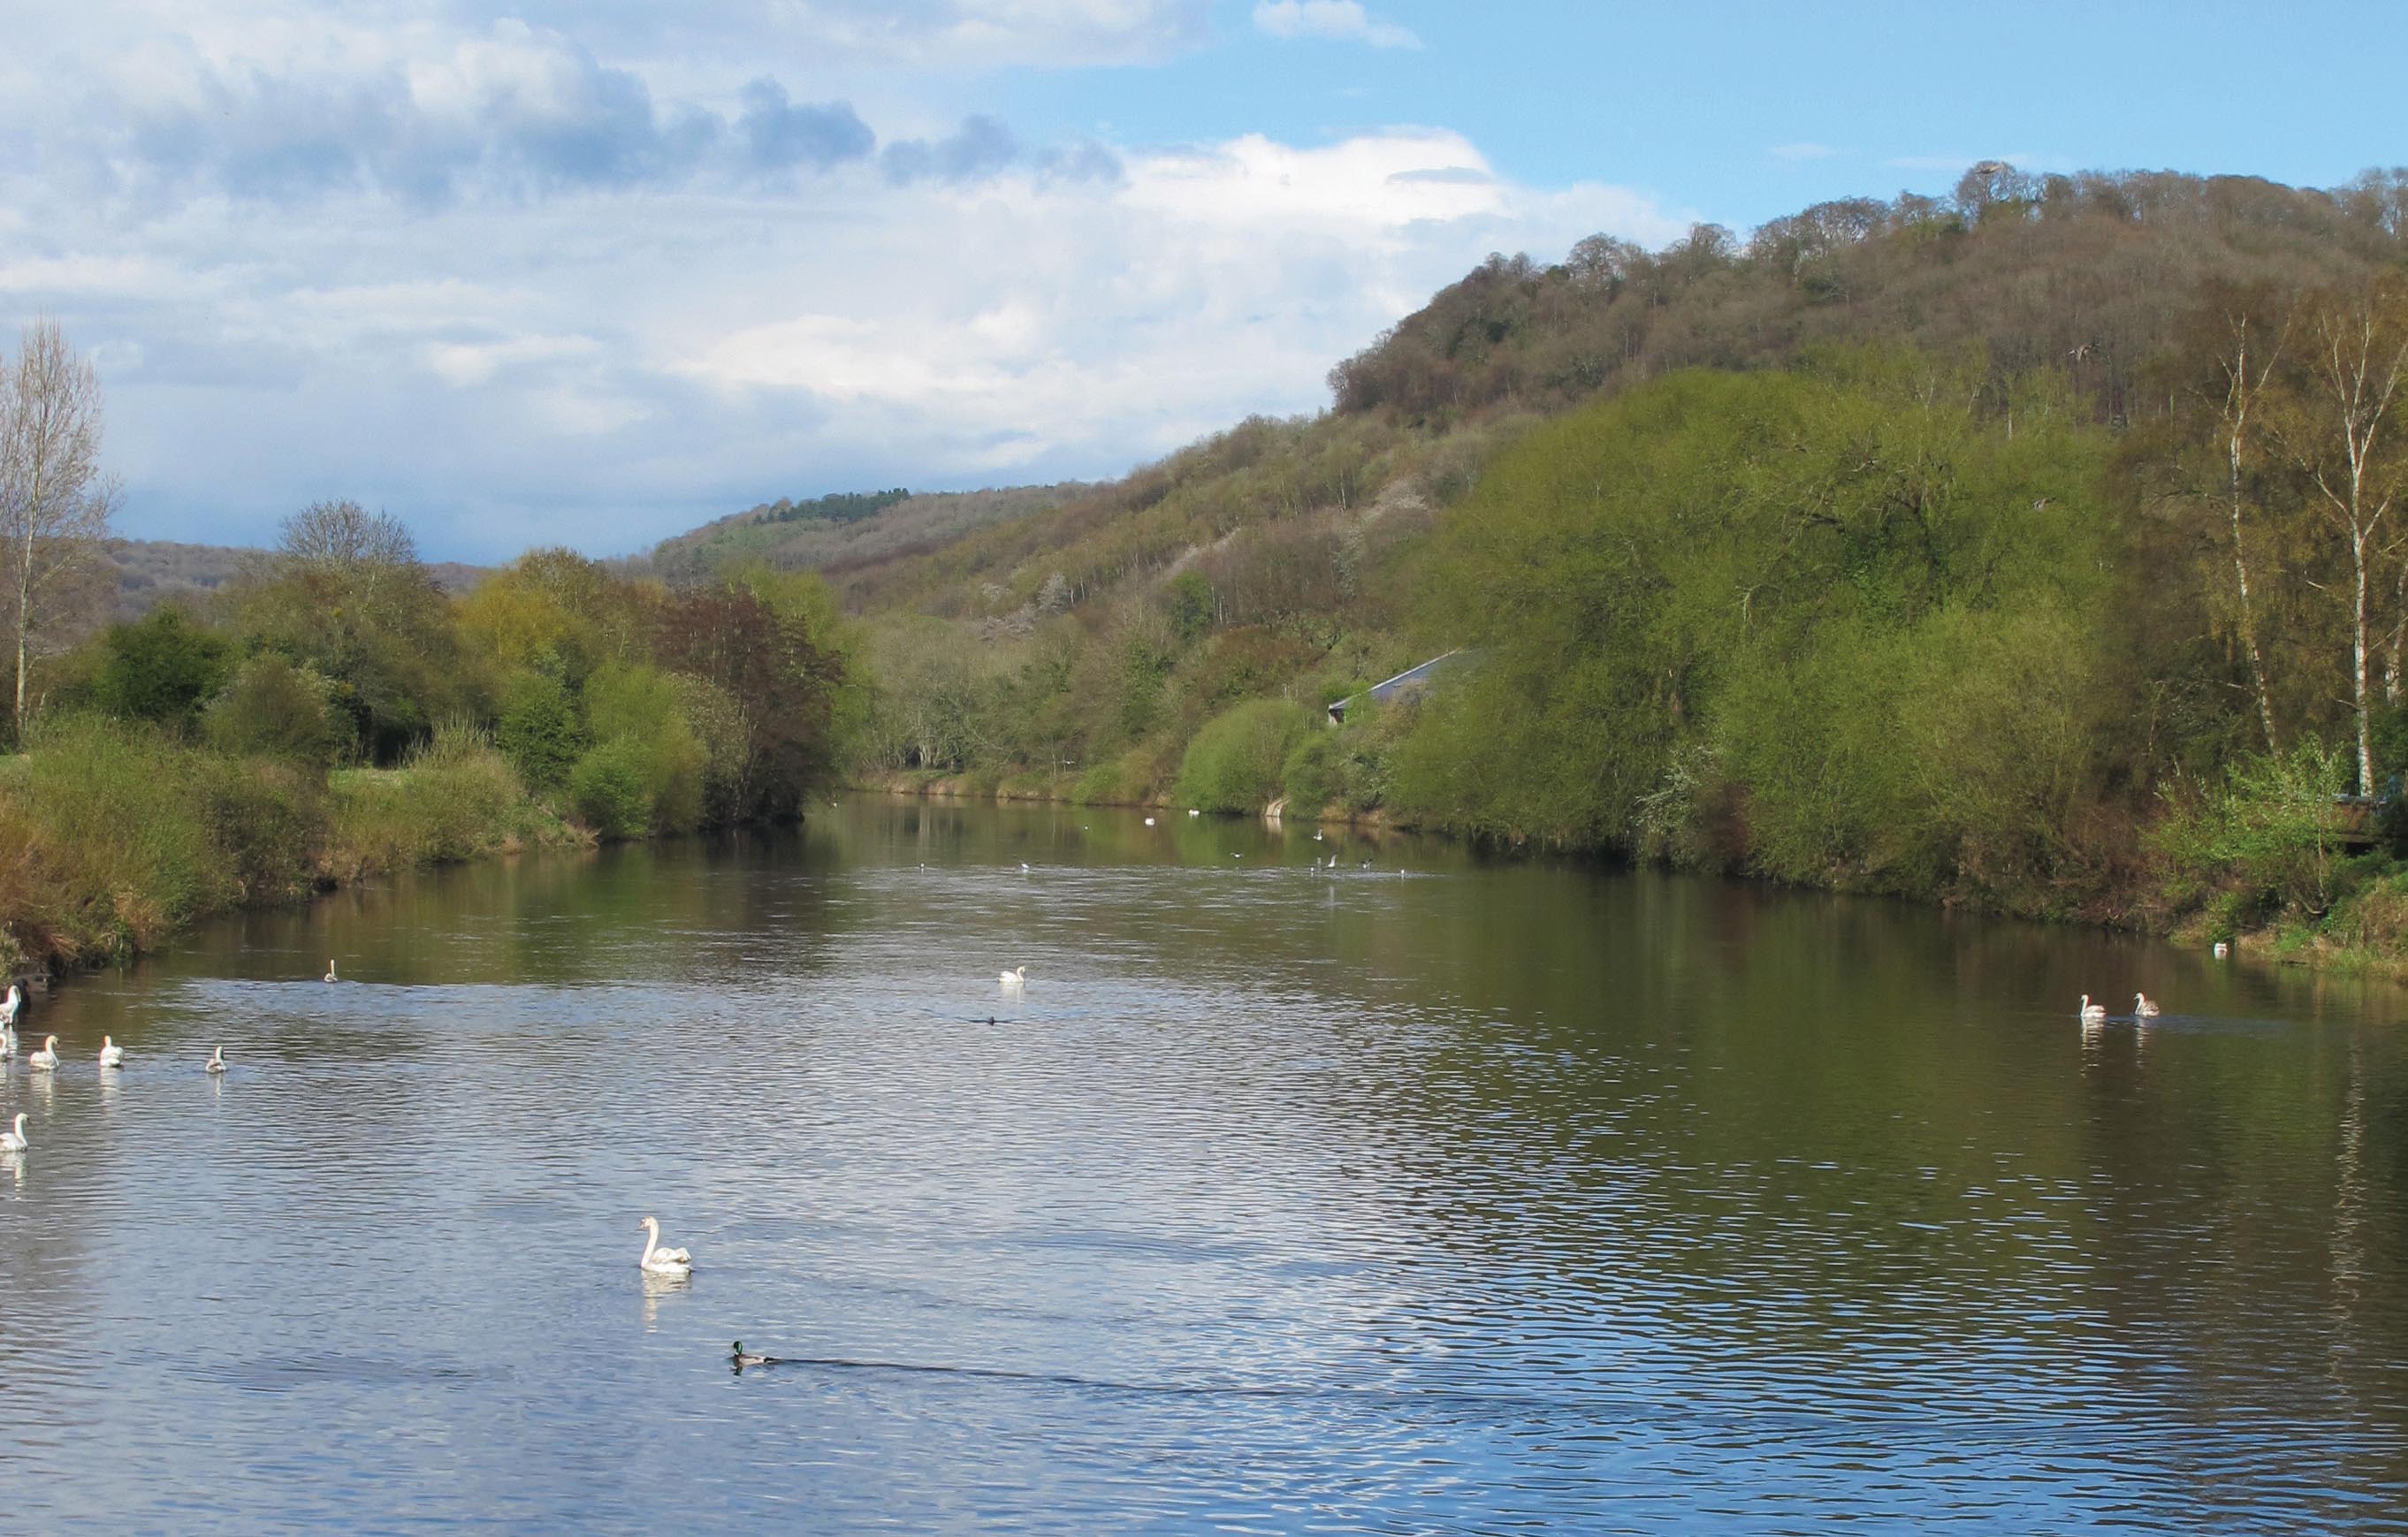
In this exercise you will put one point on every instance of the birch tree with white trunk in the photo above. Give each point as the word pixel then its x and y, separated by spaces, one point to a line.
pixel 2339 423
pixel 54 501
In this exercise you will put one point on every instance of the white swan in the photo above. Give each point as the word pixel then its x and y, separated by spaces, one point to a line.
pixel 2092 1013
pixel 46 1059
pixel 658 1260
pixel 1016 978
pixel 14 1141
pixel 111 1053
pixel 1193 812
pixel 2143 1008
pixel 330 975
pixel 216 1062
pixel 1317 835
pixel 10 1005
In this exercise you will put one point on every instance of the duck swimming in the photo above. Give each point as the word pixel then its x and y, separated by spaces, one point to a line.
pixel 743 1358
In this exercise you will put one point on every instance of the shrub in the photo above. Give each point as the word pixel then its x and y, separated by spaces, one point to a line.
pixel 610 791
pixel 456 798
pixel 158 669
pixel 539 729
pixel 1126 779
pixel 273 708
pixel 1234 763
pixel 1311 777
pixel 2264 839
pixel 639 711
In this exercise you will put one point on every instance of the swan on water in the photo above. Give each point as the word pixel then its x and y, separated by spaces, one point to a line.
pixel 216 1062
pixel 330 975
pixel 10 1005
pixel 2143 1008
pixel 1317 835
pixel 2092 1013
pixel 47 1058
pixel 111 1053
pixel 658 1260
pixel 1193 812
pixel 14 1141
pixel 1149 821
pixel 1017 977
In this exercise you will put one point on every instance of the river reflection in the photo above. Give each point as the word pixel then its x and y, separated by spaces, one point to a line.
pixel 1426 1195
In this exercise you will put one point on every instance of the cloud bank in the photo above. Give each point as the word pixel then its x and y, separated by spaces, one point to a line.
pixel 519 284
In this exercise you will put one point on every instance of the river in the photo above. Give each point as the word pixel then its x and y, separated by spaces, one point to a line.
pixel 1433 1195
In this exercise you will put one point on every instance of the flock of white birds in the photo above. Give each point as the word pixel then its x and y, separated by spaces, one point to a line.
pixel 655 1260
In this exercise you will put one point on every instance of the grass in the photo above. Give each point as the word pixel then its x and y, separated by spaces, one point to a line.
pixel 113 836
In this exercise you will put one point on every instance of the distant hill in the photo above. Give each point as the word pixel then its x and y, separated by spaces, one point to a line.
pixel 843 530
pixel 151 571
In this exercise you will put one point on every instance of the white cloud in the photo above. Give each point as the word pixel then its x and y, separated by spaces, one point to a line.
pixel 1343 20
pixel 496 279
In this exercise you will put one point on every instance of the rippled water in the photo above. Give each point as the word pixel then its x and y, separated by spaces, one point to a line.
pixel 1434 1196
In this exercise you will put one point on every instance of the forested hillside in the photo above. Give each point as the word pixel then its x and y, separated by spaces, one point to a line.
pixel 846 528
pixel 2027 547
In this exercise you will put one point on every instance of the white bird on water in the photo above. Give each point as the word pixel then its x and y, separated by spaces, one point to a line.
pixel 330 975
pixel 46 1059
pixel 14 1141
pixel 10 1005
pixel 2143 1008
pixel 2092 1013
pixel 658 1260
pixel 1149 821
pixel 1016 978
pixel 111 1053
pixel 216 1062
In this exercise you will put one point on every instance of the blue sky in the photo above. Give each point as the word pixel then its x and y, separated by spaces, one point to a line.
pixel 589 271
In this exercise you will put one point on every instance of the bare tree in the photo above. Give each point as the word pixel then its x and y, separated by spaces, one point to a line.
pixel 346 539
pixel 2338 425
pixel 2245 363
pixel 54 502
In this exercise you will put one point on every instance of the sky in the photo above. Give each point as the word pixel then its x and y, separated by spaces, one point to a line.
pixel 590 272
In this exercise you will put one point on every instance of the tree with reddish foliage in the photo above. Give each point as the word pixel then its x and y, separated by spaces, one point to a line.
pixel 782 678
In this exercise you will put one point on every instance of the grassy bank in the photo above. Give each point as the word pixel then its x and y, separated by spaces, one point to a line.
pixel 117 835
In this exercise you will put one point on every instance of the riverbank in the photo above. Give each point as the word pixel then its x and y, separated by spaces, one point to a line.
pixel 2363 934
pixel 118 837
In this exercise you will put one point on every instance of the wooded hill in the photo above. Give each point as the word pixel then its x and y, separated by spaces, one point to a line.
pixel 1996 456
pixel 839 529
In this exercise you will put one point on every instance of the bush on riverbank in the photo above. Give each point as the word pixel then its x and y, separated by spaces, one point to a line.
pixel 117 833
pixel 1235 762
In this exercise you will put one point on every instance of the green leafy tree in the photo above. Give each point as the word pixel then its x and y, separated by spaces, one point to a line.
pixel 160 668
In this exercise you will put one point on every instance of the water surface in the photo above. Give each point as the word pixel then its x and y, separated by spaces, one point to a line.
pixel 1429 1196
